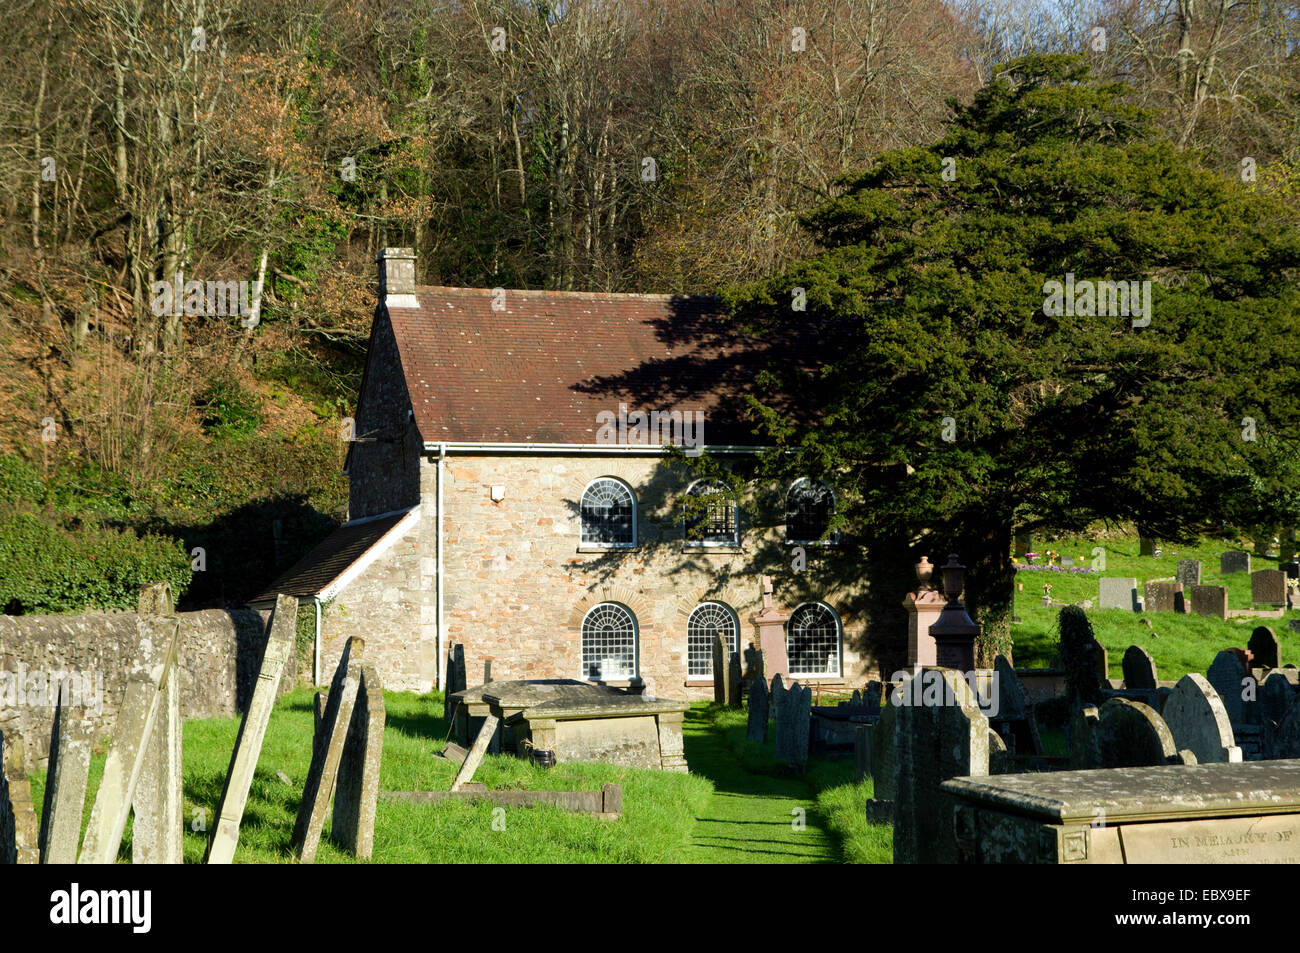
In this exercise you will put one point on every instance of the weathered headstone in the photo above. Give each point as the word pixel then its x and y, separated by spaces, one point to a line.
pixel 357 793
pixel 779 697
pixel 1268 587
pixel 934 742
pixel 1234 561
pixel 157 831
pixel 477 751
pixel 1286 737
pixel 252 730
pixel 1078 654
pixel 1102 658
pixel 1210 601
pixel 733 679
pixel 65 787
pixel 861 753
pixel 1117 593
pixel 1292 569
pixel 1276 696
pixel 1014 715
pixel 801 726
pixel 1226 674
pixel 1264 648
pixel 1198 721
pixel 455 678
pixel 1162 596
pixel 1131 735
pixel 1085 725
pixel 1189 573
pixel 135 722
pixel 756 728
pixel 1139 669
pixel 721 652
pixel 754 665
pixel 19 832
pixel 1001 761
pixel 880 806
pixel 323 773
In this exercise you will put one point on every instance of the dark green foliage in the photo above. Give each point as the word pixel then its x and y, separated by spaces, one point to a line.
pixel 228 410
pixel 929 300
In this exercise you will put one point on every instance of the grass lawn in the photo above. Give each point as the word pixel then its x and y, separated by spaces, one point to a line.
pixel 1178 643
pixel 659 807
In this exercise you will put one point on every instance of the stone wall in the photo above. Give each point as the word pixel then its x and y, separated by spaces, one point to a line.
pixel 220 652
pixel 518 584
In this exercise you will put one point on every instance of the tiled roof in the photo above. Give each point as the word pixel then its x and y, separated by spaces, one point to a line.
pixel 314 573
pixel 543 368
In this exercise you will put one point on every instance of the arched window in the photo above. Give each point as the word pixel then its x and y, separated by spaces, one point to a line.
pixel 707 620
pixel 812 640
pixel 711 516
pixel 609 514
pixel 809 506
pixel 609 643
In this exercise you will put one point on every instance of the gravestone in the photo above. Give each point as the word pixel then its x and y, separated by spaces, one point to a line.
pixel 1067 561
pixel 756 729
pixel 1264 648
pixel 861 753
pixel 880 806
pixel 1084 728
pixel 1292 569
pixel 323 773
pixel 1131 735
pixel 1210 601
pixel 357 794
pixel 1268 587
pixel 252 730
pixel 1147 546
pixel 801 725
pixel 1199 722
pixel 1162 596
pixel 720 680
pixel 19 833
pixel 1234 561
pixel 780 703
pixel 1139 669
pixel 157 831
pixel 1286 737
pixel 754 665
pixel 1118 592
pixel 477 752
pixel 934 743
pixel 1001 761
pixel 1275 699
pixel 455 678
pixel 1102 658
pixel 733 680
pixel 1078 654
pixel 1014 715
pixel 65 787
pixel 1189 573
pixel 1226 674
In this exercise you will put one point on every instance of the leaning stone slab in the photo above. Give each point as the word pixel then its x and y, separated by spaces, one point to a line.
pixel 476 754
pixel 1118 593
pixel 135 723
pixel 65 787
pixel 19 833
pixel 1182 814
pixel 1199 722
pixel 252 731
pixel 322 774
pixel 157 834
pixel 357 794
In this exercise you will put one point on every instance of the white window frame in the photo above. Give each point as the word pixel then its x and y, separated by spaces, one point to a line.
pixel 839 642
pixel 585 544
pixel 735 642
pixel 636 646
pixel 734 542
pixel 835 534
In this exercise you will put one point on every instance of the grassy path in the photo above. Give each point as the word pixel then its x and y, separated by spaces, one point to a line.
pixel 749 819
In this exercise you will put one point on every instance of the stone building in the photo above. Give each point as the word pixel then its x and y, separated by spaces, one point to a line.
pixel 506 494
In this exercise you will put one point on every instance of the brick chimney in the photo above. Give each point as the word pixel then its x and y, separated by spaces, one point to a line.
pixel 397 278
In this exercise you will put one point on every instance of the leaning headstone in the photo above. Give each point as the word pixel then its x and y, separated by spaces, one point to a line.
pixel 801 727
pixel 323 773
pixel 935 742
pixel 1268 587
pixel 65 786
pixel 720 679
pixel 157 831
pixel 1234 561
pixel 880 806
pixel 1189 573
pixel 1133 735
pixel 1139 669
pixel 135 721
pixel 1162 596
pixel 1226 674
pixel 477 751
pixel 252 730
pixel 357 794
pixel 1117 593
pixel 756 728
pixel 1210 601
pixel 1199 722
pixel 19 831
pixel 1264 649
